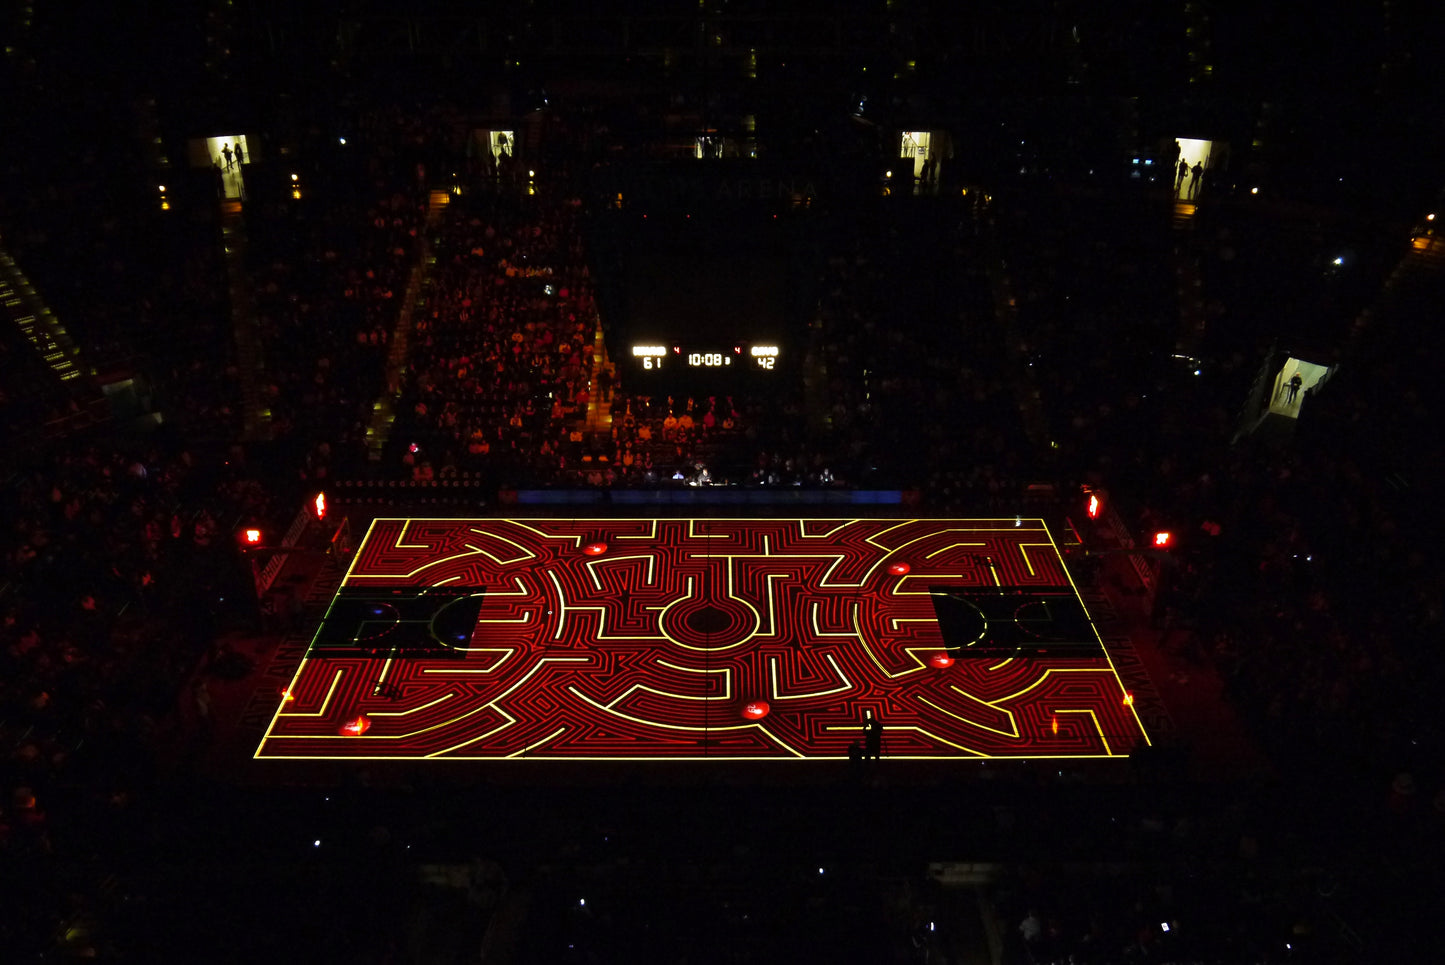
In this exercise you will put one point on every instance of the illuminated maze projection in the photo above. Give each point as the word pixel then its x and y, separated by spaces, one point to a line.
pixel 717 638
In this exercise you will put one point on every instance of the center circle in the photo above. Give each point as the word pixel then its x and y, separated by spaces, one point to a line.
pixel 709 620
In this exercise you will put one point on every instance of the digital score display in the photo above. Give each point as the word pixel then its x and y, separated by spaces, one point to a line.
pixel 653 358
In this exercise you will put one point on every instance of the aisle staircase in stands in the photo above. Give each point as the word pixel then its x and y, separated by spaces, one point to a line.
pixel 1427 251
pixel 1005 304
pixel 250 358
pixel 66 386
pixel 598 417
pixel 383 411
pixel 1190 281
pixel 1421 264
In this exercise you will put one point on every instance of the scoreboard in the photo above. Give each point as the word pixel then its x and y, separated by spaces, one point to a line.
pixel 705 356
pixel 707 274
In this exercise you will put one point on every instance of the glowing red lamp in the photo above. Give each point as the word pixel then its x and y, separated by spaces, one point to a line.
pixel 899 569
pixel 357 726
pixel 1128 699
pixel 318 505
pixel 940 660
pixel 1054 724
pixel 1096 505
pixel 595 549
pixel 251 537
pixel 756 710
pixel 1162 539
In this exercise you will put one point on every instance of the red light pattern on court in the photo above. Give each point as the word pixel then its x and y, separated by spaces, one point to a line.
pixel 666 646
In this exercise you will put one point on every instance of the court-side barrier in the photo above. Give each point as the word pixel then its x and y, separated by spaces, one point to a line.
pixel 474 493
pixel 470 492
pixel 708 496
pixel 1143 569
pixel 267 574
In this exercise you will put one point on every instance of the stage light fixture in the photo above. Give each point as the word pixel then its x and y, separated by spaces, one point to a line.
pixel 1162 539
pixel 252 537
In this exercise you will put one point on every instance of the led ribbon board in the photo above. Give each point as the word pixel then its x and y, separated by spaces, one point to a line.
pixel 686 639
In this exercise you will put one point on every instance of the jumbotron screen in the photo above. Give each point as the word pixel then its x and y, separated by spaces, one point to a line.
pixel 701 305
pixel 706 279
pixel 704 639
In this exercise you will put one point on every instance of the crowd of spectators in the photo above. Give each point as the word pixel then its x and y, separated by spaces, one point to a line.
pixel 1293 579
pixel 919 387
pixel 331 258
pixel 1322 646
pixel 502 344
pixel 119 573
pixel 504 373
pixel 120 567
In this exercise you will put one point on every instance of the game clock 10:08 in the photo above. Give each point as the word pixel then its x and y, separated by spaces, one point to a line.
pixel 658 358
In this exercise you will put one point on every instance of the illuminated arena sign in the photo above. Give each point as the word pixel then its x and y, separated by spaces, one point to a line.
pixel 690 639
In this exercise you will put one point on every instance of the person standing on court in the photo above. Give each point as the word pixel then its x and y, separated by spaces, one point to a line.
pixel 872 738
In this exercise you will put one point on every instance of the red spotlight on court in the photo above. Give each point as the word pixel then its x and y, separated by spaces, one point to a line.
pixel 940 660
pixel 318 505
pixel 595 549
pixel 1128 699
pixel 899 569
pixel 1163 539
pixel 356 726
pixel 1054 724
pixel 756 709
pixel 251 537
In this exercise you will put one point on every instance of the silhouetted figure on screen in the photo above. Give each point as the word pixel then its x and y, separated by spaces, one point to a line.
pixel 1196 179
pixel 226 153
pixel 873 738
pixel 1292 388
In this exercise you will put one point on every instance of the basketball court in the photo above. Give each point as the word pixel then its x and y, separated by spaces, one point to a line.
pixel 704 639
